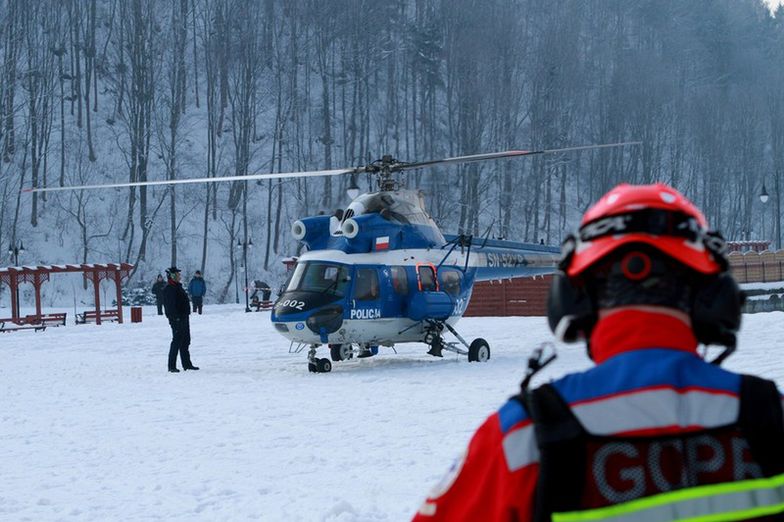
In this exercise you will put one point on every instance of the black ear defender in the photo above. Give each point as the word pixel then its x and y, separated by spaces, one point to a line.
pixel 716 310
pixel 717 305
pixel 570 310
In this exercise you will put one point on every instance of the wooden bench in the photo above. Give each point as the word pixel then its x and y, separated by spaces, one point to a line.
pixel 54 319
pixel 46 319
pixel 15 327
pixel 261 305
pixel 89 316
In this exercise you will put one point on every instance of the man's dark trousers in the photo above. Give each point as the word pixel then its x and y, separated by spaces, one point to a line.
pixel 181 340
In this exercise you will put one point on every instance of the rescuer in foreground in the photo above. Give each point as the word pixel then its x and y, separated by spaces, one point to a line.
pixel 652 432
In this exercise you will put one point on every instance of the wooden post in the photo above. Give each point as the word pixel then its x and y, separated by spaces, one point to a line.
pixel 37 281
pixel 96 286
pixel 117 279
pixel 14 284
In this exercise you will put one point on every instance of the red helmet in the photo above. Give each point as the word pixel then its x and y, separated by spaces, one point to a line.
pixel 656 215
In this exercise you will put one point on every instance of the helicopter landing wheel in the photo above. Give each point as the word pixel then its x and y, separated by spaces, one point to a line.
pixel 323 366
pixel 340 352
pixel 479 351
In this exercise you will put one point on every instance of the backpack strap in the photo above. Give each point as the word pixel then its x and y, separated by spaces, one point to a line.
pixel 762 422
pixel 561 441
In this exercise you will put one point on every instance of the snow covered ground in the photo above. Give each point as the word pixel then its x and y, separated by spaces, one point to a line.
pixel 92 427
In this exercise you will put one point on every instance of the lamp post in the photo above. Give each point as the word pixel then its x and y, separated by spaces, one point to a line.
pixel 245 246
pixel 14 251
pixel 236 282
pixel 764 199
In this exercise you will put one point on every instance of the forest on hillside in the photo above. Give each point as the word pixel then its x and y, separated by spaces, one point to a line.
pixel 132 90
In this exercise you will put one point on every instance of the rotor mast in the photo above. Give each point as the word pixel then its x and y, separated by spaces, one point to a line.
pixel 384 169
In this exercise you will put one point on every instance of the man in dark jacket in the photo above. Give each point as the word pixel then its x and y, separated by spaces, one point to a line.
pixel 197 288
pixel 177 306
pixel 157 290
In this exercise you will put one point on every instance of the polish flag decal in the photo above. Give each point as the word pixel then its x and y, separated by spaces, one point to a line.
pixel 382 243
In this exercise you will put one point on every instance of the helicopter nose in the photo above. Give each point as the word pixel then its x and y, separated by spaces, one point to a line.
pixel 326 320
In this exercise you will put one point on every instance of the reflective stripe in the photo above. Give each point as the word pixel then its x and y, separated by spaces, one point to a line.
pixel 657 409
pixel 520 448
pixel 711 503
pixel 649 409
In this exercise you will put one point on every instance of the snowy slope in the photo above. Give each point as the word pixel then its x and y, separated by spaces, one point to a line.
pixel 92 427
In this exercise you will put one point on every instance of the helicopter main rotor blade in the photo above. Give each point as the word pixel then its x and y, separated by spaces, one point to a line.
pixel 506 154
pixel 335 172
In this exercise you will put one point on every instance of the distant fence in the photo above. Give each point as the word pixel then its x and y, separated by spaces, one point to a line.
pixel 757 267
pixel 760 267
pixel 528 296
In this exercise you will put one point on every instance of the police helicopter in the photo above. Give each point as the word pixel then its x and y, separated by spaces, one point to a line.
pixel 381 272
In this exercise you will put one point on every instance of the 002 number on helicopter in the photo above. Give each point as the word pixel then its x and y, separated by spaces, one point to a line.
pixel 293 303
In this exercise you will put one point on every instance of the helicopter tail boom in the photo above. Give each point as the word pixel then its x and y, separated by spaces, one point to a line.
pixel 495 259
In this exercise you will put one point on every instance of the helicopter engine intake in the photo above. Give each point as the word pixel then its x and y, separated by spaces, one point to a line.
pixel 350 228
pixel 313 231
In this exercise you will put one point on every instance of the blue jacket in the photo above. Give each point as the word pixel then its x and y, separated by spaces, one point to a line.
pixel 197 287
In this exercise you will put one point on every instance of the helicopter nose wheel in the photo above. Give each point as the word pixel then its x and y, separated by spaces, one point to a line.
pixel 479 351
pixel 320 366
pixel 316 365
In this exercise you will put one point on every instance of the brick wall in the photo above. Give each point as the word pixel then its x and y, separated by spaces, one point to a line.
pixel 757 267
pixel 528 296
pixel 519 296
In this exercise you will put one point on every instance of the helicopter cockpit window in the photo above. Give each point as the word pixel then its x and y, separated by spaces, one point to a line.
pixel 296 277
pixel 319 277
pixel 366 285
pixel 450 281
pixel 399 280
pixel 427 279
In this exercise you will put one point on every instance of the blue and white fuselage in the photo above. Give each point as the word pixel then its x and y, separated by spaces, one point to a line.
pixel 384 272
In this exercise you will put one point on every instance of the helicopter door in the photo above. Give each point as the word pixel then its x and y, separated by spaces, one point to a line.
pixel 366 297
pixel 426 277
pixel 429 302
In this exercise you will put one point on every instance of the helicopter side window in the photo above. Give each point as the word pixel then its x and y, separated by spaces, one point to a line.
pixel 399 280
pixel 366 285
pixel 450 281
pixel 427 278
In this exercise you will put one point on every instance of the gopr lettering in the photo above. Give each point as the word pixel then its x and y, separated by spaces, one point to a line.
pixel 621 471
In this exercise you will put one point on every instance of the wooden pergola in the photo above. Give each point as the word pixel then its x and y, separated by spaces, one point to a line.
pixel 14 276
